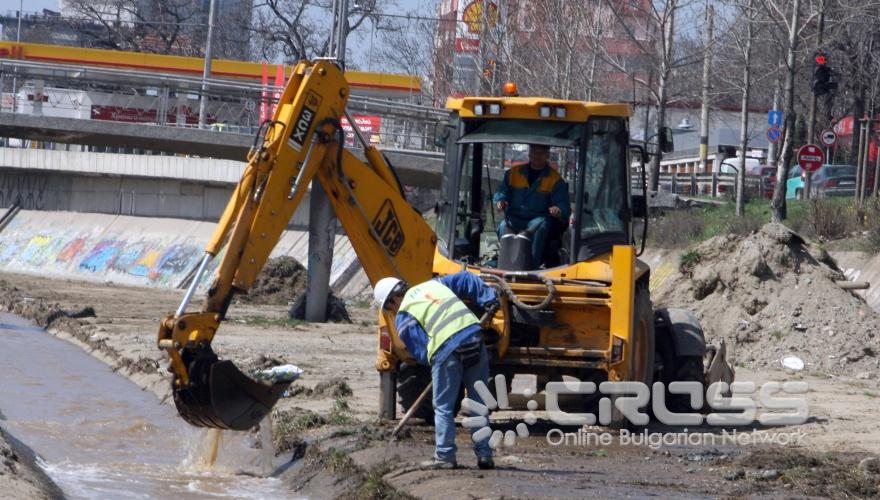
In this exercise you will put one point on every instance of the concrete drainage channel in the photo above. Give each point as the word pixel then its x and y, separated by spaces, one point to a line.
pixel 97 435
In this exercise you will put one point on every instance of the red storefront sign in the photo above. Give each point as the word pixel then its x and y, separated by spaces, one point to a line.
pixel 370 127
pixel 140 115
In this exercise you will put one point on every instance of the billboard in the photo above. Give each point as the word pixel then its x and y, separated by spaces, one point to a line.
pixel 469 16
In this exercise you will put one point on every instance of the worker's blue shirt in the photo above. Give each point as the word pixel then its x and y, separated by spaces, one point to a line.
pixel 528 200
pixel 465 286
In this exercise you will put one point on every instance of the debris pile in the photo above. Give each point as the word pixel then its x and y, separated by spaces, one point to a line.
pixel 283 282
pixel 772 295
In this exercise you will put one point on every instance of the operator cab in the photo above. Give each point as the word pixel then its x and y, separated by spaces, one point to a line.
pixel 485 137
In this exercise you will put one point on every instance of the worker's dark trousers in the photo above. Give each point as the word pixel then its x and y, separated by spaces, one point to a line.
pixel 448 377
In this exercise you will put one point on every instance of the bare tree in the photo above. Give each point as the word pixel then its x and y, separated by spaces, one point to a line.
pixel 161 26
pixel 663 55
pixel 300 29
pixel 746 51
pixel 788 21
pixel 408 46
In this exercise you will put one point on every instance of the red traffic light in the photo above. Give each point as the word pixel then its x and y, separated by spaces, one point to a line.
pixel 821 59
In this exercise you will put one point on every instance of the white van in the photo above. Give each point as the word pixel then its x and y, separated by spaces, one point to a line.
pixel 731 165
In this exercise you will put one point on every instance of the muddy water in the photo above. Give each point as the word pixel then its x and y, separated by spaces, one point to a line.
pixel 100 436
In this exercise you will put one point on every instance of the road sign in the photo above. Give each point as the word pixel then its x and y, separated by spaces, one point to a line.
pixel 774 118
pixel 774 134
pixel 828 138
pixel 810 157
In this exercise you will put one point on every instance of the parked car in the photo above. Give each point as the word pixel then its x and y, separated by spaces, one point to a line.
pixel 794 185
pixel 834 180
pixel 828 180
pixel 767 173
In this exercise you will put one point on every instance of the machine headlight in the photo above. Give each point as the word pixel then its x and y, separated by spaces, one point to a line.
pixel 616 350
pixel 544 112
pixel 494 108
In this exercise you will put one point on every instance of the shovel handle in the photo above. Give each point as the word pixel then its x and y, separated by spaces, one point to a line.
pixel 412 409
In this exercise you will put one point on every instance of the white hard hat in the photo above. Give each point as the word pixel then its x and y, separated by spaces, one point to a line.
pixel 383 289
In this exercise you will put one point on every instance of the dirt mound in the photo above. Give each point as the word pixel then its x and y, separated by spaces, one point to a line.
pixel 771 294
pixel 282 280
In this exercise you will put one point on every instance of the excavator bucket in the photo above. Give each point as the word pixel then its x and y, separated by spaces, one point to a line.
pixel 717 368
pixel 220 396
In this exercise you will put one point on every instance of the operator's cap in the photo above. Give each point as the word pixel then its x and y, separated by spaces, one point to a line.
pixel 387 287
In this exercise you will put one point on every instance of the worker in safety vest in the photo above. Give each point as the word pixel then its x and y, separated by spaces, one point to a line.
pixel 439 330
pixel 532 196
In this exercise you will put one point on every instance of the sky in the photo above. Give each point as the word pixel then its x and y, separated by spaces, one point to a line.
pixel 358 43
pixel 29 5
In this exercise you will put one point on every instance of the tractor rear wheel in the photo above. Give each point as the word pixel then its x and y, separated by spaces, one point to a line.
pixel 411 381
pixel 675 368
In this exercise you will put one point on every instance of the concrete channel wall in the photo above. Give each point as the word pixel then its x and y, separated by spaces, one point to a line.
pixel 139 251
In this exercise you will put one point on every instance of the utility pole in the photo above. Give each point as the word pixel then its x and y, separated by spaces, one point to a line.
pixel 15 75
pixel 811 117
pixel 771 149
pixel 322 220
pixel 203 102
pixel 707 67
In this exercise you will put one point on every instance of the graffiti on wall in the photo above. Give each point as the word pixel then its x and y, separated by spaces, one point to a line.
pixel 154 261
pixel 30 191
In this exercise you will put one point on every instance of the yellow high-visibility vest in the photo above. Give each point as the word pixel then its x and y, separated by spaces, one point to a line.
pixel 438 311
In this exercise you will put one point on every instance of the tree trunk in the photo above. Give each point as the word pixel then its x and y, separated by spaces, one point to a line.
pixel 663 88
pixel 778 206
pixel 858 110
pixel 744 116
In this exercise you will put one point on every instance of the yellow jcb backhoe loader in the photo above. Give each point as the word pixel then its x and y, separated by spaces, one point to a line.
pixel 583 311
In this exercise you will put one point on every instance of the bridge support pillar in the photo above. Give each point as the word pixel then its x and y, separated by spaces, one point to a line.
pixel 322 233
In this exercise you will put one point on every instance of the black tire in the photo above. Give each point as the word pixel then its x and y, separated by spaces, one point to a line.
pixel 643 321
pixel 411 381
pixel 676 368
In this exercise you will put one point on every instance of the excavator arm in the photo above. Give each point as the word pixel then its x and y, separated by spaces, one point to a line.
pixel 304 141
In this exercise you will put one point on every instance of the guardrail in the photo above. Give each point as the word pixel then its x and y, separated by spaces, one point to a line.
pixel 715 184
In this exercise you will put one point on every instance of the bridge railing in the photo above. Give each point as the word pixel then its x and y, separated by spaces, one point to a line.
pixel 173 101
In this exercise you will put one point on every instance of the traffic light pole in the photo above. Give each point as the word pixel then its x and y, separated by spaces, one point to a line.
pixel 811 117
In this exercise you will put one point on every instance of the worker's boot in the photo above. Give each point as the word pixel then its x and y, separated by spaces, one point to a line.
pixel 485 463
pixel 436 463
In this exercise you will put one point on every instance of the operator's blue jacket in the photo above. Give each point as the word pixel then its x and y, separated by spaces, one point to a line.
pixel 465 286
pixel 525 202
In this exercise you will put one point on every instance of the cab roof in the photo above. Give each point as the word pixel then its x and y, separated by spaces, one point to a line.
pixel 529 108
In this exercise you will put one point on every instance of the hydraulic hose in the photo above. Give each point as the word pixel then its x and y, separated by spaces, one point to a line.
pixel 505 287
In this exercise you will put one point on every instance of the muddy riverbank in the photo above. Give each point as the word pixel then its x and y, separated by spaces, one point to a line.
pixel 20 476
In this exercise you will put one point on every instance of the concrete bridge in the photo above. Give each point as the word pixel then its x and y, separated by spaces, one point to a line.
pixel 415 168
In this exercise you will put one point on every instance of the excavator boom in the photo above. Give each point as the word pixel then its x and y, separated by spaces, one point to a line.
pixel 303 142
